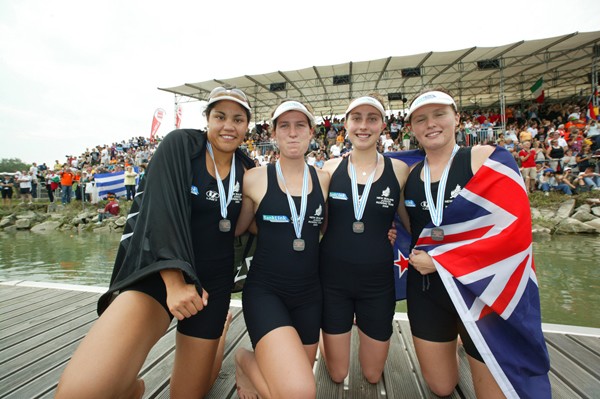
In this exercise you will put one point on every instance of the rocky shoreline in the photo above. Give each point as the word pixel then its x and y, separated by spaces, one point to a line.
pixel 48 218
pixel 45 218
pixel 567 219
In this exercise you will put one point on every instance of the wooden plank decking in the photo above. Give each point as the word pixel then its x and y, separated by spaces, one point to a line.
pixel 41 327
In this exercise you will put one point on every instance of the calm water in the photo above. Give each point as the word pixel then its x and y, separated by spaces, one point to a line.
pixel 567 267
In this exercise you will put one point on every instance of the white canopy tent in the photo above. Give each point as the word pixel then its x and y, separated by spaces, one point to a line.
pixel 488 77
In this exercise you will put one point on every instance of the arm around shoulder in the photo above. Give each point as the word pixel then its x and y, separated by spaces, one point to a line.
pixel 401 170
pixel 324 179
pixel 479 154
pixel 331 165
pixel 254 188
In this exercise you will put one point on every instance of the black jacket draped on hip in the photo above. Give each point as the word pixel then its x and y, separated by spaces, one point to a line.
pixel 157 234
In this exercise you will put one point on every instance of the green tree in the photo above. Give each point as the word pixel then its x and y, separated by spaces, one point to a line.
pixel 11 165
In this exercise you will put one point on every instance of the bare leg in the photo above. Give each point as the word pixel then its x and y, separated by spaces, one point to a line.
pixel 193 366
pixel 335 349
pixel 281 365
pixel 246 389
pixel 372 355
pixel 220 349
pixel 483 381
pixel 107 361
pixel 439 364
pixel 246 361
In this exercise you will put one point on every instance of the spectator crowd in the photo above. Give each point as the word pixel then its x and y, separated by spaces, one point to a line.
pixel 556 145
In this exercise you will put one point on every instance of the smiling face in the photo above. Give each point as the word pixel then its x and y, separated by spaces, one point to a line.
pixel 364 125
pixel 293 133
pixel 227 126
pixel 434 125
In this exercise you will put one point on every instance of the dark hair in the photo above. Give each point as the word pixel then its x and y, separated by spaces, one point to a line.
pixel 210 107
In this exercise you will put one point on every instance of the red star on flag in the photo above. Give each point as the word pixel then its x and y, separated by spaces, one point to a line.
pixel 401 262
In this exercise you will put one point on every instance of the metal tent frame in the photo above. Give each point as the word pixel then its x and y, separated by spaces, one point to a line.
pixel 484 77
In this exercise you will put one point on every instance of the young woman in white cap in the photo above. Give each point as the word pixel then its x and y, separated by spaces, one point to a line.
pixel 434 118
pixel 176 251
pixel 356 256
pixel 282 298
pixel 446 238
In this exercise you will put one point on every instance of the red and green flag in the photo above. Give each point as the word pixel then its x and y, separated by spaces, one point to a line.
pixel 537 90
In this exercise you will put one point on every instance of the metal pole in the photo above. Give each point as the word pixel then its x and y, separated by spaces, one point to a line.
pixel 502 97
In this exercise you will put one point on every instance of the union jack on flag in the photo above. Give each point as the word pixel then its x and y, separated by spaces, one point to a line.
pixel 486 263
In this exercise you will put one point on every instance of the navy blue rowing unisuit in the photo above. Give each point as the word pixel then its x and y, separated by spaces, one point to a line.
pixel 282 287
pixel 431 313
pixel 357 270
pixel 213 251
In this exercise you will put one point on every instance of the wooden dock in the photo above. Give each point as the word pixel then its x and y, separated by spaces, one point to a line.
pixel 40 327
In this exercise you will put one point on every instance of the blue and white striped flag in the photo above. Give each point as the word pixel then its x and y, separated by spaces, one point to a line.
pixel 110 183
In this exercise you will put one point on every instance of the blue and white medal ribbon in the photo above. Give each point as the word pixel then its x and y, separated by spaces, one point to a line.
pixel 436 210
pixel 360 203
pixel 224 224
pixel 297 219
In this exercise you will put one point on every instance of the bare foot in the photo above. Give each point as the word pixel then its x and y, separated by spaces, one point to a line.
pixel 245 389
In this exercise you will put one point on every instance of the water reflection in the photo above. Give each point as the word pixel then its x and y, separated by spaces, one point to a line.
pixel 567 268
pixel 569 279
pixel 60 257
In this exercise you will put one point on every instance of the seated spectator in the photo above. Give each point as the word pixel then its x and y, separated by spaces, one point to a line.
pixel 561 183
pixel 584 158
pixel 545 180
pixel 576 183
pixel 110 210
pixel 590 178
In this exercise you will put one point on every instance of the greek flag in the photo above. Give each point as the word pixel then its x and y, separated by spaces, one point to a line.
pixel 110 183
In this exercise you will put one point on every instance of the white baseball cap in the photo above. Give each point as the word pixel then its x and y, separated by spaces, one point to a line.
pixel 430 97
pixel 366 100
pixel 293 106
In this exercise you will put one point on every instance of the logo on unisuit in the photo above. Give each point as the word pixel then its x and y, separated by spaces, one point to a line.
pixel 212 195
pixel 317 218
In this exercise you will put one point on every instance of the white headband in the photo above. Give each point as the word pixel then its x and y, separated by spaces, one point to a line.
pixel 293 106
pixel 366 100
pixel 431 97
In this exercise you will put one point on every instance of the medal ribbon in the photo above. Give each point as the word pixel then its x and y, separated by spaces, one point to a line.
pixel 297 219
pixel 360 204
pixel 437 210
pixel 224 203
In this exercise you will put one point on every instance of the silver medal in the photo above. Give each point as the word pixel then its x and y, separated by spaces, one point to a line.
pixel 224 225
pixel 298 244
pixel 437 234
pixel 358 227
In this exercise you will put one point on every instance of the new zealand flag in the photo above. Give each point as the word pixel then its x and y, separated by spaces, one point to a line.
pixel 402 244
pixel 486 263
